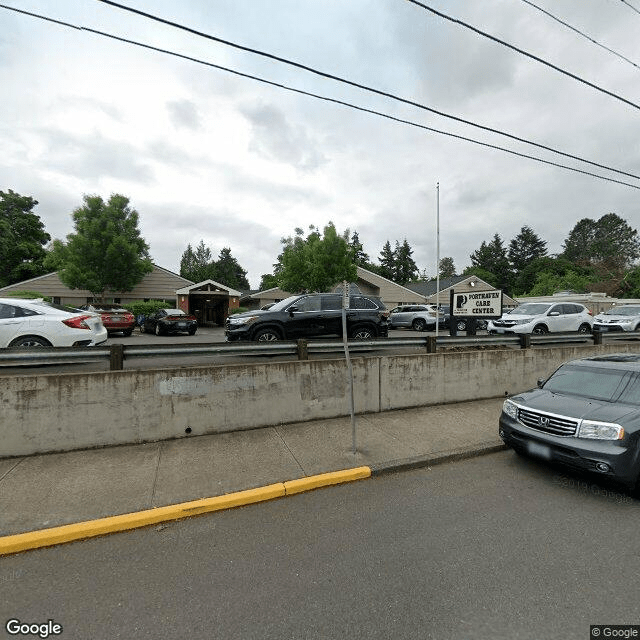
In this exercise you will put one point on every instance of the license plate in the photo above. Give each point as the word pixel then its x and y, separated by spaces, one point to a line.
pixel 182 324
pixel 539 450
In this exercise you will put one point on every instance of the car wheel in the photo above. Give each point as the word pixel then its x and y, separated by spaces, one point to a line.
pixel 584 328
pixel 158 331
pixel 266 335
pixel 540 330
pixel 418 324
pixel 29 341
pixel 192 332
pixel 461 325
pixel 127 333
pixel 362 333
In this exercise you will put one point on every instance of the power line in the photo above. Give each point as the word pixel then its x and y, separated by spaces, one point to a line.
pixel 351 83
pixel 521 51
pixel 584 35
pixel 332 100
pixel 630 6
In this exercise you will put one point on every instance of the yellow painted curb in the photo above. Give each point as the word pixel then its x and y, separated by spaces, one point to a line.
pixel 113 524
pixel 326 479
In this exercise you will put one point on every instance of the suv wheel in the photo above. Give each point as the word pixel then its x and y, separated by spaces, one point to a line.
pixel 158 331
pixel 540 330
pixel 461 325
pixel 584 328
pixel 419 324
pixel 266 335
pixel 362 333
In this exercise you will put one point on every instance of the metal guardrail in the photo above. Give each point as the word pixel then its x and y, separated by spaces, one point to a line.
pixel 117 353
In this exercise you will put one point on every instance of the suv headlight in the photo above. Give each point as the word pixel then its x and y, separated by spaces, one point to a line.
pixel 595 430
pixel 522 321
pixel 243 320
pixel 511 409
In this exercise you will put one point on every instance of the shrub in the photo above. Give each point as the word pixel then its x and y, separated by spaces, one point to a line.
pixel 140 307
pixel 237 310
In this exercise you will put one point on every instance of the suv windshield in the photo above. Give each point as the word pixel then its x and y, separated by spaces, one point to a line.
pixel 595 382
pixel 530 309
pixel 623 311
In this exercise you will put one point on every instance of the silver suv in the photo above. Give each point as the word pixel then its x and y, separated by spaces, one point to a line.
pixel 417 316
pixel 544 317
pixel 624 318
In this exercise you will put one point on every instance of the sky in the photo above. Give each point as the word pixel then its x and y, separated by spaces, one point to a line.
pixel 204 154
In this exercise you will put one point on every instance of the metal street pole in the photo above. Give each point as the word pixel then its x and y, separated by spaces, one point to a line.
pixel 437 257
pixel 345 305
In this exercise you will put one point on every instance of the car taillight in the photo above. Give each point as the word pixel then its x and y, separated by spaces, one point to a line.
pixel 384 314
pixel 106 318
pixel 77 322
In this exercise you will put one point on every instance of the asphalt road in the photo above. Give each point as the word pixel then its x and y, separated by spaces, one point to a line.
pixel 492 548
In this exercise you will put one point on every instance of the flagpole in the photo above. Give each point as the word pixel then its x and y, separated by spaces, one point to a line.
pixel 437 256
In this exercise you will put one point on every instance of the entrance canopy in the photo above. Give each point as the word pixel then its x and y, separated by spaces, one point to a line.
pixel 208 300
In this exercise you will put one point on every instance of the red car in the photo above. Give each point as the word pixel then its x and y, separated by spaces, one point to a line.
pixel 114 317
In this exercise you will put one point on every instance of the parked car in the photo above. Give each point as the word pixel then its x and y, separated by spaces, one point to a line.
pixel 586 415
pixel 623 318
pixel 167 321
pixel 539 318
pixel 36 323
pixel 461 323
pixel 310 315
pixel 418 317
pixel 114 317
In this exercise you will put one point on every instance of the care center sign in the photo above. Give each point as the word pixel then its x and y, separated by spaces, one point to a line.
pixel 477 304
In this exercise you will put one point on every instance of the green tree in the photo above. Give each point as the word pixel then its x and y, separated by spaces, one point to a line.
pixel 558 267
pixel 492 257
pixel 387 260
pixel 405 267
pixel 229 272
pixel 360 258
pixel 315 263
pixel 483 274
pixel 548 283
pixel 524 248
pixel 106 252
pixel 22 239
pixel 630 284
pixel 268 281
pixel 609 241
pixel 447 268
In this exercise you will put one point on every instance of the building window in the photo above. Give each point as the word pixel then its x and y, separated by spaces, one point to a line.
pixel 56 300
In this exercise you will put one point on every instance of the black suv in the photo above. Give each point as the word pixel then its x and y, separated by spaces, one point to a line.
pixel 310 315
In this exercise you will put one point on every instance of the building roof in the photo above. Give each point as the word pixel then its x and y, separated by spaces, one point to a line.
pixel 208 286
pixel 429 288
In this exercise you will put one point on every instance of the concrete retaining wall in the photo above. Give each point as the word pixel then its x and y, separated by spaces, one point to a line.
pixel 75 411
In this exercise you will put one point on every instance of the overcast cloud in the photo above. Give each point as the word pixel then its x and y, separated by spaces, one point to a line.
pixel 206 155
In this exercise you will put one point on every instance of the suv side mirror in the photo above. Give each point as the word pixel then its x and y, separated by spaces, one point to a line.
pixel 541 382
pixel 554 313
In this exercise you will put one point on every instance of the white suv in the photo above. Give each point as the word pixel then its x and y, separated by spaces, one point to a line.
pixel 544 317
pixel 35 323
pixel 417 316
pixel 623 318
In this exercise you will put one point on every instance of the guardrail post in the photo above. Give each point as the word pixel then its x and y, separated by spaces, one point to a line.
pixel 597 337
pixel 302 349
pixel 431 344
pixel 525 341
pixel 116 357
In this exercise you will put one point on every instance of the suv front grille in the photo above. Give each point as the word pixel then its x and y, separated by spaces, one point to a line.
pixel 556 425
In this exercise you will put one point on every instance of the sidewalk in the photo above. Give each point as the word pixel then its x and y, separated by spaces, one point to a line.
pixel 43 491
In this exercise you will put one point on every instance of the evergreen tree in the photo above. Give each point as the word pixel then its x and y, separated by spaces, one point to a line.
pixel 447 268
pixel 492 258
pixel 405 267
pixel 524 248
pixel 360 258
pixel 229 272
pixel 387 261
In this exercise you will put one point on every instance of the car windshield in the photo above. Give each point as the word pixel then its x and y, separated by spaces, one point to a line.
pixel 174 312
pixel 59 307
pixel 596 383
pixel 530 309
pixel 623 311
pixel 283 304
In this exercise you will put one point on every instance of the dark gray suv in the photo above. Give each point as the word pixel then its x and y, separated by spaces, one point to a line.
pixel 310 315
pixel 586 415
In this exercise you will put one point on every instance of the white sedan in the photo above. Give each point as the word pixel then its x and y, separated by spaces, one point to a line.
pixel 36 323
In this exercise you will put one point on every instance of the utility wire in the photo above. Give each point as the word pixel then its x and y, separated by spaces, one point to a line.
pixel 332 100
pixel 584 35
pixel 351 83
pixel 630 6
pixel 521 51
